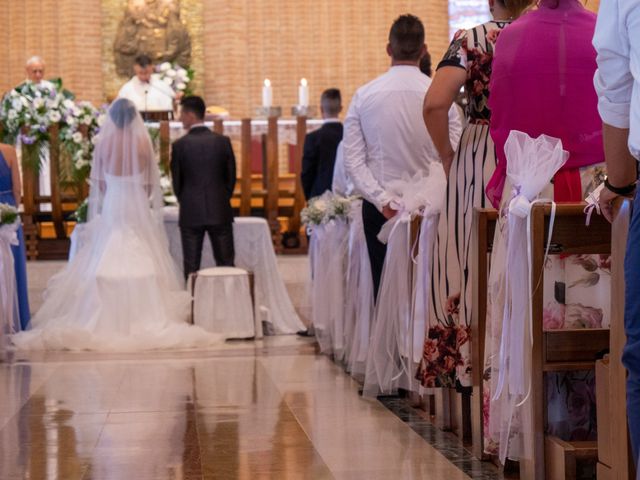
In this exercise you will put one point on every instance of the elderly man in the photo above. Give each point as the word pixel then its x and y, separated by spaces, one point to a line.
pixel 35 68
pixel 145 90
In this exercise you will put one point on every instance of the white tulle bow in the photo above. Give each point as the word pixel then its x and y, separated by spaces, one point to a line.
pixel 8 303
pixel 532 163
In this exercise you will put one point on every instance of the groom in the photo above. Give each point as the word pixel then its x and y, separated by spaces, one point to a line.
pixel 203 168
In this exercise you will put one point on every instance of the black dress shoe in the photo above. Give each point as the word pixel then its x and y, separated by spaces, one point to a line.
pixel 306 333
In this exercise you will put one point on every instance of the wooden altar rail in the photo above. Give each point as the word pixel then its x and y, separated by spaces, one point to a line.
pixel 271 192
pixel 552 350
pixel 32 200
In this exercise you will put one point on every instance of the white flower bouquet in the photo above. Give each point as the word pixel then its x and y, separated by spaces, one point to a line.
pixel 175 76
pixel 167 190
pixel 8 214
pixel 325 208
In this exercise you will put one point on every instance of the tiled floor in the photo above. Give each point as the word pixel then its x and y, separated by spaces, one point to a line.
pixel 272 409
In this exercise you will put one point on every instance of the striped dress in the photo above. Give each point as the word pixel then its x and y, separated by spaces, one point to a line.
pixel 446 358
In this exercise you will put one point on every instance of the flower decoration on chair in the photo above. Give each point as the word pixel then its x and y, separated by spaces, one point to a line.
pixel 325 208
pixel 8 214
pixel 177 77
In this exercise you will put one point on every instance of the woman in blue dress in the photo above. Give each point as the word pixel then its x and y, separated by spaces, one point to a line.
pixel 10 192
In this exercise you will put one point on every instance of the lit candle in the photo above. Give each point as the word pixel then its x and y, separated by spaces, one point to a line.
pixel 303 93
pixel 267 94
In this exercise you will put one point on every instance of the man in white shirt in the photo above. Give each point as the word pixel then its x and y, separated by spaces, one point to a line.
pixel 146 90
pixel 617 81
pixel 385 137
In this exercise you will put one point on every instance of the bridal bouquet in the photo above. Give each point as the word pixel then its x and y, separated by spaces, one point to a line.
pixel 325 208
pixel 8 214
pixel 175 76
pixel 82 212
pixel 167 190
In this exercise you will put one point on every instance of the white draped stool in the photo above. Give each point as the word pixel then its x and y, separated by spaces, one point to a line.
pixel 222 302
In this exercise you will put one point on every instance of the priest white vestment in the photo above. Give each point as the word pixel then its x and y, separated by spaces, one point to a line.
pixel 152 96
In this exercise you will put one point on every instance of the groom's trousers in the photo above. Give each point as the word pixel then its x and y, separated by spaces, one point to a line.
pixel 373 221
pixel 221 237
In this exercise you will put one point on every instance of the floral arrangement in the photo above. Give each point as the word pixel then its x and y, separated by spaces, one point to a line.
pixel 177 77
pixel 82 212
pixel 27 112
pixel 325 208
pixel 167 190
pixel 8 214
pixel 79 134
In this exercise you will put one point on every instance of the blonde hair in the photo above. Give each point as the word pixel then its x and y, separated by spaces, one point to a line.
pixel 518 7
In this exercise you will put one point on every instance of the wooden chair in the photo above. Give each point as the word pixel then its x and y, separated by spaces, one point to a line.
pixel 554 350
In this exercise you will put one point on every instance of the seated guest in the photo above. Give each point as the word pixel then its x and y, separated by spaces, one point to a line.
pixel 385 138
pixel 203 170
pixel 617 41
pixel 320 146
pixel 145 90
pixel 11 192
pixel 542 84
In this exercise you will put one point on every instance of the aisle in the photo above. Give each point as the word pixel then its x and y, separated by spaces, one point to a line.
pixel 274 409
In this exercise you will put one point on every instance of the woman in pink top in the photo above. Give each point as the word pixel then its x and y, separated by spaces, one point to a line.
pixel 542 83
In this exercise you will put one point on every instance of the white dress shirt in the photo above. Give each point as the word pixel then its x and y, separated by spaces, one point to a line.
pixel 341 184
pixel 385 136
pixel 153 96
pixel 617 80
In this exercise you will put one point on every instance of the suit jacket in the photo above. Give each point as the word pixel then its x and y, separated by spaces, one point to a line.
pixel 203 169
pixel 319 158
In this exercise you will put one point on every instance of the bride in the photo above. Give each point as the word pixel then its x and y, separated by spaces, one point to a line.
pixel 122 290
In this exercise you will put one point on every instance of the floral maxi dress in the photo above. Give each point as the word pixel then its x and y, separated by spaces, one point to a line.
pixel 446 358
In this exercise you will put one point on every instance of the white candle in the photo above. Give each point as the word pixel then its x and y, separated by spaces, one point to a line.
pixel 267 94
pixel 303 93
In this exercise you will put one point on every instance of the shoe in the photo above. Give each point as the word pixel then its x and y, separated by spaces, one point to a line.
pixel 306 333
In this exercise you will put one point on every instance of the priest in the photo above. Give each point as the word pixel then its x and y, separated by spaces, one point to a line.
pixel 35 68
pixel 146 90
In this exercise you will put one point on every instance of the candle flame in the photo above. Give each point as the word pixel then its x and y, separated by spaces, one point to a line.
pixel 303 82
pixel 267 82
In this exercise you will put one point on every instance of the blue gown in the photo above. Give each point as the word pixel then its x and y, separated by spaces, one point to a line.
pixel 19 252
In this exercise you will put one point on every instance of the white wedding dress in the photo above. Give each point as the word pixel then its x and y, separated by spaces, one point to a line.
pixel 122 290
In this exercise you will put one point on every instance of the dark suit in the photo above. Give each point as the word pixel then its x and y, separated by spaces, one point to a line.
pixel 319 158
pixel 203 168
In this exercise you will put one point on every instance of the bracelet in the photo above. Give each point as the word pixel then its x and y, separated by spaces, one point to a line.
pixel 624 191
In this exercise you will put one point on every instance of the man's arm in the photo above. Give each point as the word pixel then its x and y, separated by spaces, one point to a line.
pixel 176 176
pixel 310 162
pixel 614 83
pixel 231 167
pixel 355 161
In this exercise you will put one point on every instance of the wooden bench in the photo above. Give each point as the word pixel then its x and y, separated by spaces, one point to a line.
pixel 557 350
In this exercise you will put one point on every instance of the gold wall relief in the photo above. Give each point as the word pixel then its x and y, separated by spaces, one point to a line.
pixel 165 30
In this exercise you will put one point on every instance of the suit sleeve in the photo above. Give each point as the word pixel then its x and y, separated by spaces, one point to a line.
pixel 231 168
pixel 309 165
pixel 176 174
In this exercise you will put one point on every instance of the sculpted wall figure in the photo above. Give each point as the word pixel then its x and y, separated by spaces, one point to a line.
pixel 153 28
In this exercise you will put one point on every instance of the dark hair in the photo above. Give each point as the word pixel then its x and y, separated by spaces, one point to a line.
pixel 518 7
pixel 331 101
pixel 425 64
pixel 143 60
pixel 122 112
pixel 406 38
pixel 195 105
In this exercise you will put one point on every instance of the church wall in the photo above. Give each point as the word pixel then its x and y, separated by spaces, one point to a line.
pixel 66 33
pixel 237 44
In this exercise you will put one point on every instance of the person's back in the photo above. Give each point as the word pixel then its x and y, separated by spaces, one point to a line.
pixel 390 109
pixel 205 180
pixel 542 81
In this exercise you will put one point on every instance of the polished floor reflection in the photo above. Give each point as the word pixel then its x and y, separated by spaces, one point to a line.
pixel 266 410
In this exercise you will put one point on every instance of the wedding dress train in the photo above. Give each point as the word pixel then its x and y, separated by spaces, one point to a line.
pixel 122 291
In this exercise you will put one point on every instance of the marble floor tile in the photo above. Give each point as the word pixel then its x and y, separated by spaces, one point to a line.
pixel 270 409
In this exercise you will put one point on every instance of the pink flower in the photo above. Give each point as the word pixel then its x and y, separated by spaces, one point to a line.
pixel 492 36
pixel 449 363
pixel 430 350
pixel 553 316
pixel 462 336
